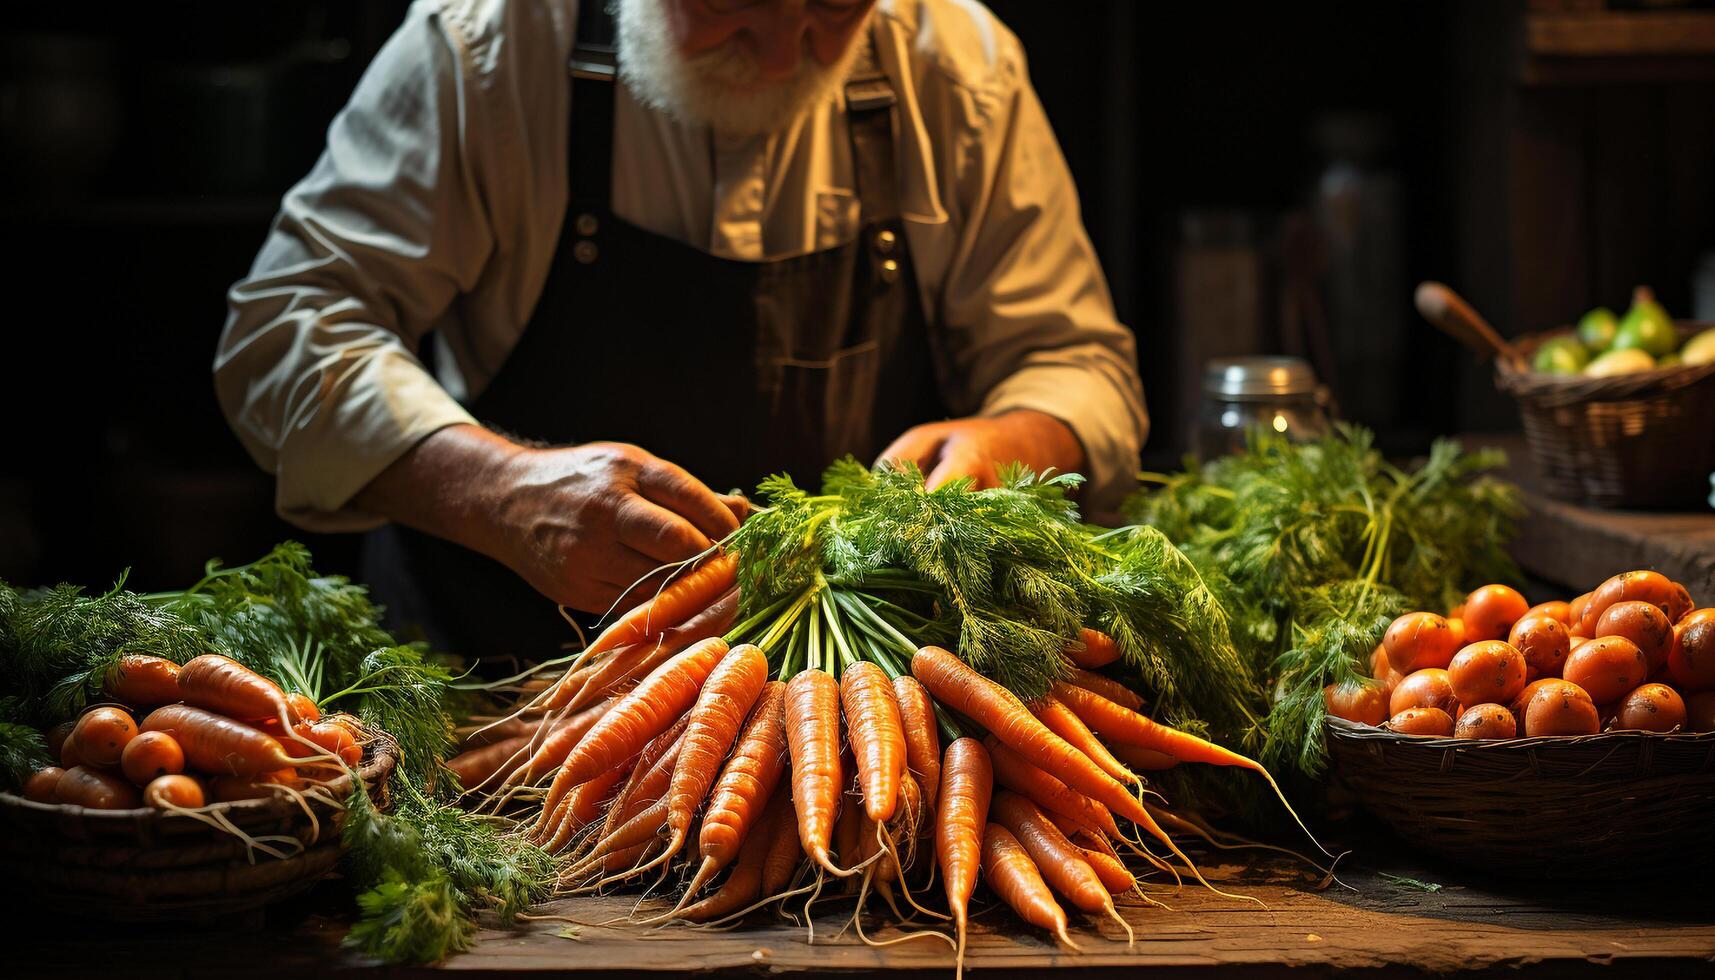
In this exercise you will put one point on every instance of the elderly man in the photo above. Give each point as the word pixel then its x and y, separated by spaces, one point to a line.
pixel 557 275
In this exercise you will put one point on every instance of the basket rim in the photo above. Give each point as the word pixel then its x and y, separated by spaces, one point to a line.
pixel 376 765
pixel 1341 728
pixel 1519 379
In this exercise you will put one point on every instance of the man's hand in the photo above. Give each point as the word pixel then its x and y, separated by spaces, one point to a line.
pixel 580 524
pixel 974 447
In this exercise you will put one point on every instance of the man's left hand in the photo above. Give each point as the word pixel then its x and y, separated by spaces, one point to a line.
pixel 975 447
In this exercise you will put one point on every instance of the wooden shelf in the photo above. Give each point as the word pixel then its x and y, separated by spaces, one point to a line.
pixel 1594 47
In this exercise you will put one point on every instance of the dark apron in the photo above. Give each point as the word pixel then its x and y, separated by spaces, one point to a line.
pixel 733 370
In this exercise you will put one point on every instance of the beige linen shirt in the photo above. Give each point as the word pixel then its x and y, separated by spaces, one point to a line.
pixel 438 202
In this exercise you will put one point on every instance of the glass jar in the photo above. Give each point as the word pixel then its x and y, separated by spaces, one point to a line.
pixel 1278 394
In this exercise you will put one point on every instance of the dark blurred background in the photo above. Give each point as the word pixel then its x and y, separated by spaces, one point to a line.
pixel 1258 177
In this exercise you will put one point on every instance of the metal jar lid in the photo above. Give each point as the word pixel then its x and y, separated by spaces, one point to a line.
pixel 1259 378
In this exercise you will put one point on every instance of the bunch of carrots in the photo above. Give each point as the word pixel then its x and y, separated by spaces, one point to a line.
pixel 669 745
pixel 180 738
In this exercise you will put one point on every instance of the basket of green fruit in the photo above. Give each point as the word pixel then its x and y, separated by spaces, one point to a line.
pixel 1619 411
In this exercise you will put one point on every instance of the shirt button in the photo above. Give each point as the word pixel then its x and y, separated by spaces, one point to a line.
pixel 889 270
pixel 586 224
pixel 884 241
pixel 584 251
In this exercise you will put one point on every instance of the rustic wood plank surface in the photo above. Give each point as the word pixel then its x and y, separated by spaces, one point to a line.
pixel 1371 925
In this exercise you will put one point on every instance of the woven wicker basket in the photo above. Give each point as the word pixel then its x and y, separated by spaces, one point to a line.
pixel 1591 807
pixel 1636 440
pixel 148 865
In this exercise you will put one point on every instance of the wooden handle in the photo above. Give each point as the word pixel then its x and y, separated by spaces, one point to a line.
pixel 1455 317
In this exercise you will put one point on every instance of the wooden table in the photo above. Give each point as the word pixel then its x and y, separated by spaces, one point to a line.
pixel 1371 925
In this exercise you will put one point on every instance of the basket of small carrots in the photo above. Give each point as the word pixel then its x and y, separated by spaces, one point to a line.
pixel 1487 733
pixel 194 790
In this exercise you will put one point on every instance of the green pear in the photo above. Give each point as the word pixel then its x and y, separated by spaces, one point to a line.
pixel 1596 328
pixel 1646 326
pixel 1561 355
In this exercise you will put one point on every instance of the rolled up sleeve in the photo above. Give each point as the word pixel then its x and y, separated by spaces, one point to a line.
pixel 1024 305
pixel 316 369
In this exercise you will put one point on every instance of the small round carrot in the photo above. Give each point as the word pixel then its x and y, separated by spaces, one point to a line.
pixel 150 755
pixel 1107 687
pixel 216 744
pixel 877 736
pixel 173 789
pixel 328 736
pixel 102 734
pixel 224 685
pixel 640 715
pixel 922 737
pixel 1093 650
pixel 1014 877
pixel 95 790
pixel 1064 722
pixel 138 680
pixel 748 780
pixel 1060 861
pixel 967 782
pixel 1014 772
pixel 41 785
pixel 303 706
pixel 812 713
pixel 723 703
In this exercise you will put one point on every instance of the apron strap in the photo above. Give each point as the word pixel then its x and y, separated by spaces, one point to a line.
pixel 594 67
pixel 871 104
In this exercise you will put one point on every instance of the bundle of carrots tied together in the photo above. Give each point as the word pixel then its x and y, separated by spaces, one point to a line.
pixel 787 710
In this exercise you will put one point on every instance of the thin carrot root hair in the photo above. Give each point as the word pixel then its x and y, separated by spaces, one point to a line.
pixel 890 849
pixel 857 921
pixel 720 924
pixel 252 844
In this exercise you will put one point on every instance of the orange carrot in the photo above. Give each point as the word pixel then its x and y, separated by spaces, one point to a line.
pixel 224 685
pixel 216 744
pixel 1009 871
pixel 877 737
pixel 1117 723
pixel 496 759
pixel 784 848
pixel 149 755
pixel 1061 863
pixel 173 789
pixel 1107 687
pixel 964 690
pixel 967 782
pixel 561 738
pixel 582 806
pixel 610 675
pixel 1147 760
pixel 1093 650
pixel 644 712
pixel 813 736
pixel 1014 772
pixel 922 737
pixel 1064 722
pixel 303 707
pixel 747 781
pixel 647 776
pixel 1116 878
pixel 723 703
pixel 138 680
pixel 96 790
pixel 745 884
pixel 677 601
pixel 639 813
pixel 330 737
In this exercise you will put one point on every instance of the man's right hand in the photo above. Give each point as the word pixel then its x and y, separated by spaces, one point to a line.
pixel 581 524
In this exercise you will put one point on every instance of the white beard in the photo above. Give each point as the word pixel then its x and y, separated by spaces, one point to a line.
pixel 709 89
